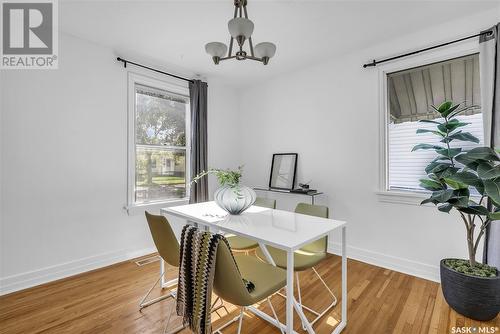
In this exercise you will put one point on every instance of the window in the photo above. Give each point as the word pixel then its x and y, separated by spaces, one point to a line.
pixel 409 95
pixel 158 139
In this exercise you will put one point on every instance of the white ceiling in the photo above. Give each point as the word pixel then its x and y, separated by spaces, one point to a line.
pixel 175 32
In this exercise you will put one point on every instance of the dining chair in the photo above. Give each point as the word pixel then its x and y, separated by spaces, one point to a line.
pixel 242 244
pixel 305 258
pixel 229 285
pixel 168 249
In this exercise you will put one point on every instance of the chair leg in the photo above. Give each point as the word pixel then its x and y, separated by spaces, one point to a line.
pixel 216 309
pixel 318 315
pixel 238 318
pixel 241 320
pixel 143 303
pixel 175 330
pixel 275 315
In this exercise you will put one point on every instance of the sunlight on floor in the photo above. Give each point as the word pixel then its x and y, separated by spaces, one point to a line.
pixel 332 321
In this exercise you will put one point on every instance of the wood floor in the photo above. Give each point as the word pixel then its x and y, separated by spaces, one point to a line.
pixel 106 301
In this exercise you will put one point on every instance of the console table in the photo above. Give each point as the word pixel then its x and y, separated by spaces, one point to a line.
pixel 311 195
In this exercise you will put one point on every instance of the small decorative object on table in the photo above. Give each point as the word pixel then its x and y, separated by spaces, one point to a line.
pixel 470 288
pixel 231 196
pixel 304 189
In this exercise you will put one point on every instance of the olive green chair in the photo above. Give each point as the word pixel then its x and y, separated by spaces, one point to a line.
pixel 242 244
pixel 168 249
pixel 305 258
pixel 229 285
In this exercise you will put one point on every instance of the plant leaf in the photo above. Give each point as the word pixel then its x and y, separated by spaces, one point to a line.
pixel 426 147
pixel 451 125
pixel 466 178
pixel 428 200
pixel 475 210
pixel 463 136
pixel 456 112
pixel 494 215
pixel 482 153
pixel 444 107
pixel 470 179
pixel 445 207
pixel 434 167
pixel 487 171
pixel 431 185
pixel 459 201
pixel 455 184
pixel 429 121
pixel 465 160
pixel 492 190
pixel 439 133
pixel 442 196
pixel 449 153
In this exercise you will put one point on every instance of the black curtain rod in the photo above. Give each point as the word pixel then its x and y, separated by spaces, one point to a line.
pixel 125 62
pixel 376 62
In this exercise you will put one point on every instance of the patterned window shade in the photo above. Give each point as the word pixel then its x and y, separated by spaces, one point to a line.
pixel 412 92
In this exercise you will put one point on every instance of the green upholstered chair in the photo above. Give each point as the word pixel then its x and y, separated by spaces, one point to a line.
pixel 168 248
pixel 242 244
pixel 229 285
pixel 305 258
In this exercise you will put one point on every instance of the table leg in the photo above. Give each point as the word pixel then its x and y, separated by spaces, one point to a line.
pixel 289 292
pixel 268 256
pixel 343 322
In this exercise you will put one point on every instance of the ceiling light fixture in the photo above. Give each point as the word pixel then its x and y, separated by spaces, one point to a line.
pixel 241 29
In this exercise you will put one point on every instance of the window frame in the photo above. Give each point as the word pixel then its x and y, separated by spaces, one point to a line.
pixel 172 86
pixel 413 197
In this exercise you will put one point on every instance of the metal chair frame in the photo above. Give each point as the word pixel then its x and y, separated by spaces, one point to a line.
pixel 239 318
pixel 320 314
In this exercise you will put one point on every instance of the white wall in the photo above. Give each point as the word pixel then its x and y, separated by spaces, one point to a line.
pixel 63 165
pixel 329 114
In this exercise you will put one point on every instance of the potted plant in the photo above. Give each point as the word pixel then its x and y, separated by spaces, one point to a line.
pixel 468 182
pixel 232 196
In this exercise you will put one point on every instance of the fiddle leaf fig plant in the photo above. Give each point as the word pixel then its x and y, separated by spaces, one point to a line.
pixel 455 173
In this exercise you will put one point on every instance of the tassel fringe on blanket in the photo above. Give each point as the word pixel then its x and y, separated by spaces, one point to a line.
pixel 198 252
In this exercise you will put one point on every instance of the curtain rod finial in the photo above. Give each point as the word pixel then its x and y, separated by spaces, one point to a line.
pixel 373 63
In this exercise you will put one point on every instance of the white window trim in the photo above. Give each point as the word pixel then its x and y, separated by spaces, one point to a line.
pixel 170 85
pixel 442 54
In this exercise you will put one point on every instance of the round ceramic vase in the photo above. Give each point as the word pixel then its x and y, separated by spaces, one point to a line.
pixel 235 200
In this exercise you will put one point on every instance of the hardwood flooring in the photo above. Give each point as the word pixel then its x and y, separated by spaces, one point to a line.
pixel 106 301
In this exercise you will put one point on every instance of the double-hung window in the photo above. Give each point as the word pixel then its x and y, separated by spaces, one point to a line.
pixel 158 141
pixel 408 95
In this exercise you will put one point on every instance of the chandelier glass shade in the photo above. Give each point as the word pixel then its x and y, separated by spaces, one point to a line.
pixel 241 29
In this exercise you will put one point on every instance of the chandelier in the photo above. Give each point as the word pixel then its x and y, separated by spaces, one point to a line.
pixel 240 29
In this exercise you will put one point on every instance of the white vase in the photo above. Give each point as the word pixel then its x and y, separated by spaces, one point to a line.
pixel 235 200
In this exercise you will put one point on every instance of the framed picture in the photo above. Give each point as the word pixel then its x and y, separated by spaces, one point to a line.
pixel 283 169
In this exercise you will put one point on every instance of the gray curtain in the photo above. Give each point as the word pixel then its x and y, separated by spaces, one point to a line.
pixel 489 64
pixel 199 159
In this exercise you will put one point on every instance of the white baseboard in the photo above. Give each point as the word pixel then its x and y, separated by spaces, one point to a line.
pixel 48 274
pixel 29 279
pixel 406 266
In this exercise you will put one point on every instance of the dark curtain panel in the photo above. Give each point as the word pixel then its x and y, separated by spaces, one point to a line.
pixel 199 159
pixel 489 58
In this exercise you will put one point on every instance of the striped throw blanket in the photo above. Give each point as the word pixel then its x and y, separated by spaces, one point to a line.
pixel 198 251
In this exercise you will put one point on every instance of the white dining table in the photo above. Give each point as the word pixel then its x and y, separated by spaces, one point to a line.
pixel 285 230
